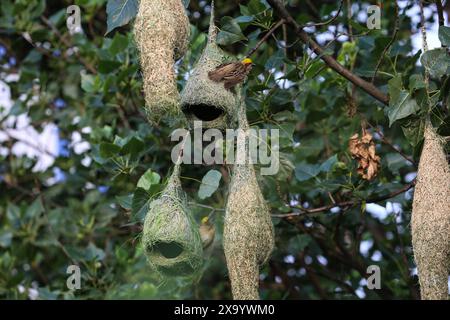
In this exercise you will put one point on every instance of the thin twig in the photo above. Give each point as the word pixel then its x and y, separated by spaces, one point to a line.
pixel 329 60
pixel 425 49
pixel 385 50
pixel 205 206
pixel 324 23
pixel 349 19
pixel 343 204
pixel 266 36
pixel 383 138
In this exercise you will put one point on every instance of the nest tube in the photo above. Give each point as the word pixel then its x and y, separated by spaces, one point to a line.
pixel 203 99
pixel 161 32
pixel 171 239
pixel 430 221
pixel 248 236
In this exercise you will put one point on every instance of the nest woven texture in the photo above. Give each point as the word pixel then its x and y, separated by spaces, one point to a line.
pixel 248 236
pixel 430 221
pixel 171 238
pixel 205 94
pixel 161 32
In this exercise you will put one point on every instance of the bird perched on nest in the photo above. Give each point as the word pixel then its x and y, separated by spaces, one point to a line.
pixel 231 73
pixel 207 232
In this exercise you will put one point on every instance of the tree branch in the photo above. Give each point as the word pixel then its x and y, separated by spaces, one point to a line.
pixel 329 60
pixel 440 12
pixel 383 138
pixel 343 204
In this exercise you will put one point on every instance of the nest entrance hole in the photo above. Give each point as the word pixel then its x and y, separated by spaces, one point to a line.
pixel 203 111
pixel 169 250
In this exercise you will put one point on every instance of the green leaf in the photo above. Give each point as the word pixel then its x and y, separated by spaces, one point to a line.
pixel 328 164
pixel 140 204
pixel 313 68
pixel 256 6
pixel 286 167
pixel 416 81
pixel 281 97
pixel 46 294
pixel 436 61
pixel 395 161
pixel 94 253
pixel 210 183
pixel 310 146
pixel 133 146
pixel 148 179
pixel 14 215
pixel 118 44
pixel 275 60
pixel 109 150
pixel 244 19
pixel 395 86
pixel 35 209
pixel 444 35
pixel 413 130
pixel 58 17
pixel 299 243
pixel 401 107
pixel 125 201
pixel 230 32
pixel 39 9
pixel 90 83
pixel 120 12
pixel 5 239
pixel 108 66
pixel 306 171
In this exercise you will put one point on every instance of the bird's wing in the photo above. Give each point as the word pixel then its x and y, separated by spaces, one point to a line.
pixel 221 71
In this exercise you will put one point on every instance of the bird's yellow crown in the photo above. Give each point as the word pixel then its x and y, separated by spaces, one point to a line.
pixel 247 61
pixel 205 220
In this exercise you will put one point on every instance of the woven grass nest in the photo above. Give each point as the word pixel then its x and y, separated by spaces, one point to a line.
pixel 248 236
pixel 171 238
pixel 161 32
pixel 430 220
pixel 205 100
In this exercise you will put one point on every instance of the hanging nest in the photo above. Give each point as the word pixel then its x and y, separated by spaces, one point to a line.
pixel 203 99
pixel 161 32
pixel 171 237
pixel 248 236
pixel 430 221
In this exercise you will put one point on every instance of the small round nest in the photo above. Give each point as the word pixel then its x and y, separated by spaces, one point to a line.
pixel 171 238
pixel 161 32
pixel 248 236
pixel 430 222
pixel 203 99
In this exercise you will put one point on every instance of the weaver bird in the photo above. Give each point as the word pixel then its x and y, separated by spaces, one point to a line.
pixel 207 232
pixel 231 73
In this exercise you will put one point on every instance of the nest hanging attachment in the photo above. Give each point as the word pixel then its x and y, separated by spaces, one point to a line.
pixel 248 235
pixel 161 32
pixel 203 99
pixel 430 222
pixel 171 237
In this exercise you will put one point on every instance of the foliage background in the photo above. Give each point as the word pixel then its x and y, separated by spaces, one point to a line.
pixel 85 206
